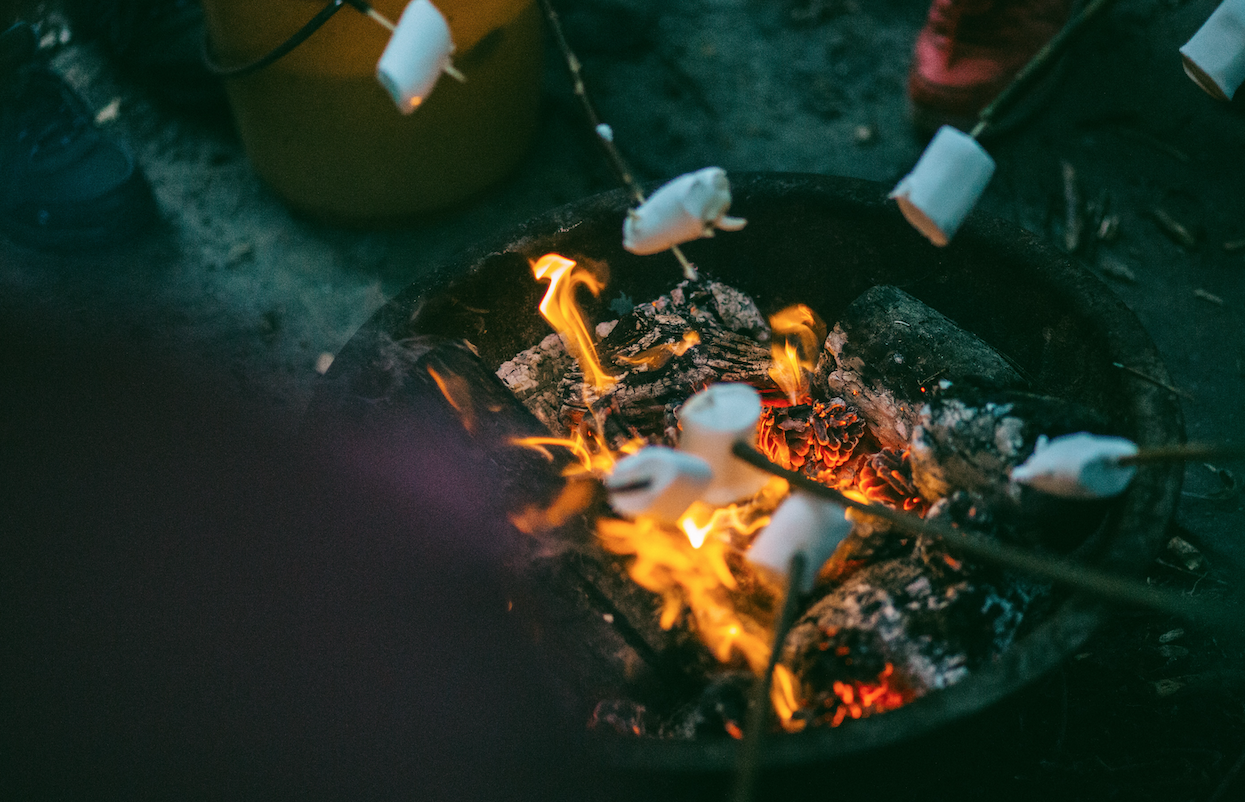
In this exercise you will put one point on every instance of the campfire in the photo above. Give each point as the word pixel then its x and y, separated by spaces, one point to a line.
pixel 894 404
pixel 654 613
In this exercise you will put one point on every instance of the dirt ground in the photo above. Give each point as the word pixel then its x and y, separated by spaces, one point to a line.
pixel 233 287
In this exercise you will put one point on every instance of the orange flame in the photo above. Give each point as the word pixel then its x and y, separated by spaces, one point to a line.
pixel 563 313
pixel 684 576
pixel 458 394
pixel 798 337
pixel 785 697
pixel 657 356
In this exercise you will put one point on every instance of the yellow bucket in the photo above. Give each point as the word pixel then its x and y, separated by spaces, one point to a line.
pixel 322 132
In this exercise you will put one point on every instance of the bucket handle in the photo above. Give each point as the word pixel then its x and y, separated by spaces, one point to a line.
pixel 299 36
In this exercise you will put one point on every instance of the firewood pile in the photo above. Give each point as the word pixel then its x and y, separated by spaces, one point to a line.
pixel 903 408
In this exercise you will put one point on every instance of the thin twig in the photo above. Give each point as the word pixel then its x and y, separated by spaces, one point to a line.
pixel 1183 453
pixel 1227 779
pixel 1036 65
pixel 577 84
pixel 759 704
pixel 1169 388
pixel 1108 587
pixel 602 131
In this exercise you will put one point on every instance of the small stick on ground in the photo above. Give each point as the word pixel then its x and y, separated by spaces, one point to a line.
pixel 1154 381
pixel 1225 784
pixel 1072 220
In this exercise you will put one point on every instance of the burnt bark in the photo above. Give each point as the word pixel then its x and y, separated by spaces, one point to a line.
pixel 969 443
pixel 889 350
pixel 660 354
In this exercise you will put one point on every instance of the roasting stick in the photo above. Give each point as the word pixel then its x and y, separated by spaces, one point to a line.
pixel 1182 453
pixel 1036 65
pixel 757 722
pixel 604 133
pixel 1099 583
pixel 954 169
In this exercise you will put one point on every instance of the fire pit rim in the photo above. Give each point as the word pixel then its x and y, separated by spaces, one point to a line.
pixel 1140 518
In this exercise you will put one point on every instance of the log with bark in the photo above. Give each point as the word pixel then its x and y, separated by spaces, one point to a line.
pixel 889 351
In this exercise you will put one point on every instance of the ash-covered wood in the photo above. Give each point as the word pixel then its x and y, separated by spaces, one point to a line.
pixel 969 443
pixel 888 350
pixel 660 353
pixel 899 628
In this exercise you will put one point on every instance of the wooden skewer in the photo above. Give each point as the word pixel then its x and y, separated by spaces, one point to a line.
pixel 757 722
pixel 381 19
pixel 607 142
pixel 1187 452
pixel 1036 65
pixel 1106 586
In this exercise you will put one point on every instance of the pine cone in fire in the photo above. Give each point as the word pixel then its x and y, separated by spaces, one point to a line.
pixel 811 438
pixel 887 477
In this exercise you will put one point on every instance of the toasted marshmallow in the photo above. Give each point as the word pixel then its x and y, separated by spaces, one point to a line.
pixel 945 184
pixel 418 52
pixel 1081 466
pixel 690 207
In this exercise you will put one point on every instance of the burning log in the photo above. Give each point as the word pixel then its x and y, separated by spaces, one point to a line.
pixel 900 628
pixel 661 353
pixel 888 350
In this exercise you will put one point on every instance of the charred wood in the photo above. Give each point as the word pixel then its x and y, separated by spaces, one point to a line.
pixel 888 350
pixel 969 444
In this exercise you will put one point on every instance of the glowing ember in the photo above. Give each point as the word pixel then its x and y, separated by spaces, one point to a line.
pixel 861 699
pixel 798 336
pixel 560 309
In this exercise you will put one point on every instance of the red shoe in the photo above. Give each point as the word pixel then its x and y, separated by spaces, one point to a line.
pixel 969 50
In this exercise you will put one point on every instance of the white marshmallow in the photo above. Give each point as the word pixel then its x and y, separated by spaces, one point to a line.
pixel 418 52
pixel 675 481
pixel 714 420
pixel 1081 466
pixel 1215 57
pixel 803 523
pixel 945 184
pixel 689 207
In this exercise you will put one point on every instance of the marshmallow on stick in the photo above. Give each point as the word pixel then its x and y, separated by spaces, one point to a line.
pixel 1080 466
pixel 657 482
pixel 803 523
pixel 687 208
pixel 1215 57
pixel 418 52
pixel 945 184
pixel 714 420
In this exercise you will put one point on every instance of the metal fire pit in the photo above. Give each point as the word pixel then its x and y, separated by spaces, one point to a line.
pixel 822 241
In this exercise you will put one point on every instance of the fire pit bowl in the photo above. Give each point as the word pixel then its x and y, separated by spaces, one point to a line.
pixel 822 241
